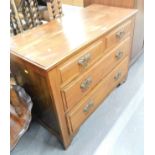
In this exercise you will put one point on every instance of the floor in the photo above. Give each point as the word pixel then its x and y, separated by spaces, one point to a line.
pixel 132 136
pixel 116 128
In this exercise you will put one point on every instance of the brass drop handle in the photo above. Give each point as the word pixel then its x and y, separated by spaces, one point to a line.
pixel 89 105
pixel 120 34
pixel 86 83
pixel 26 71
pixel 83 61
pixel 118 75
pixel 119 54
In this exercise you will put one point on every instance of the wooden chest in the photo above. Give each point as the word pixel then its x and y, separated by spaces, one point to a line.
pixel 70 65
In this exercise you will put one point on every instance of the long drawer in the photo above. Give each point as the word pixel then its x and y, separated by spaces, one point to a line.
pixel 82 61
pixel 80 112
pixel 77 89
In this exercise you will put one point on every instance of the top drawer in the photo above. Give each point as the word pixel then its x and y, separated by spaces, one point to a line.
pixel 118 34
pixel 80 62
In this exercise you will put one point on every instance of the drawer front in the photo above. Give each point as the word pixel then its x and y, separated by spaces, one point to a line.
pixel 74 92
pixel 80 112
pixel 79 63
pixel 119 34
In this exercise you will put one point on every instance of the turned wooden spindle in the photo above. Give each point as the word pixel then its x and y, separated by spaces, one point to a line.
pixel 60 7
pixel 34 12
pixel 16 15
pixel 27 14
pixel 54 8
pixel 14 24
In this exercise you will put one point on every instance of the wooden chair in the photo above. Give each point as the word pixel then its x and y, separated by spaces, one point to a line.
pixel 26 14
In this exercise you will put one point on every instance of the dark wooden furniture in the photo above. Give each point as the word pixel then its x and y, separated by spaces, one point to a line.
pixel 69 66
pixel 20 113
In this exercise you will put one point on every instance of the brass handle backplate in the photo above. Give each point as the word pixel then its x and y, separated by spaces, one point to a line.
pixel 119 54
pixel 86 83
pixel 89 105
pixel 120 34
pixel 118 75
pixel 84 60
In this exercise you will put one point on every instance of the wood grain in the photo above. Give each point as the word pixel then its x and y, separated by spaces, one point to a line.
pixel 112 39
pixel 77 115
pixel 73 2
pixel 49 44
pixel 117 3
pixel 53 81
pixel 73 92
pixel 138 37
pixel 20 113
pixel 71 68
pixel 36 86
pixel 44 61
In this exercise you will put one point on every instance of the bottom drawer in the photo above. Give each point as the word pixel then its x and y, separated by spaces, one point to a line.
pixel 80 112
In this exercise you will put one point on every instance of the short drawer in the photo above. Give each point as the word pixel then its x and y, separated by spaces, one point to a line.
pixel 81 112
pixel 74 91
pixel 119 34
pixel 82 61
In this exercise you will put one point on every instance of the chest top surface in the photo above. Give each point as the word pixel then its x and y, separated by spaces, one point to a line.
pixel 47 45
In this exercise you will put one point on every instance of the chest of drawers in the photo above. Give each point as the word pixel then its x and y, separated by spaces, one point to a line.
pixel 69 66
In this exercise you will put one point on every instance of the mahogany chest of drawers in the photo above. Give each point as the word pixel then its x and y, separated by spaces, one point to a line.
pixel 70 65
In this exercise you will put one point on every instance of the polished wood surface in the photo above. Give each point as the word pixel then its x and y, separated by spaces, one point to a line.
pixel 119 34
pixel 20 113
pixel 36 85
pixel 73 2
pixel 82 61
pixel 47 45
pixel 81 112
pixel 117 3
pixel 62 63
pixel 54 86
pixel 73 91
pixel 138 38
